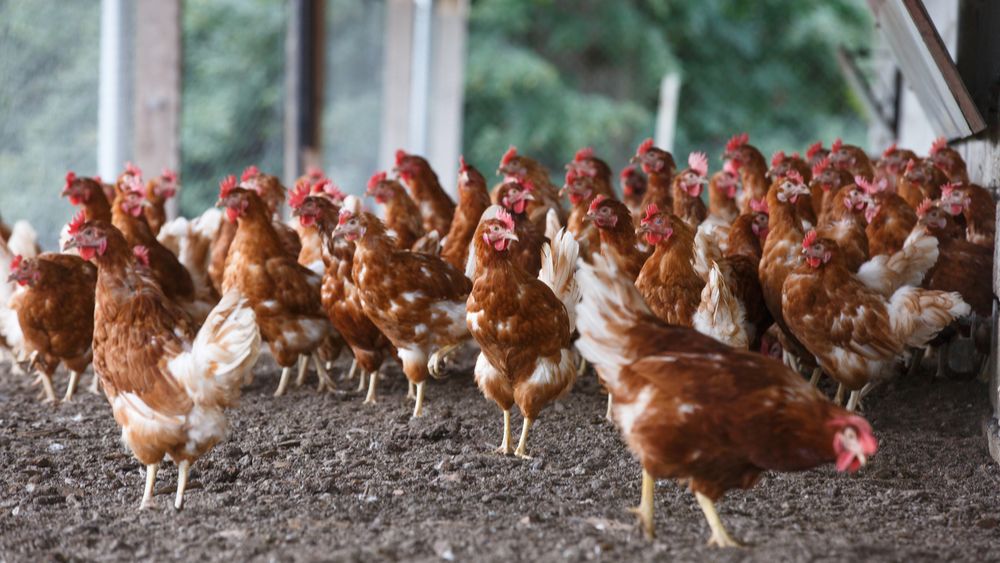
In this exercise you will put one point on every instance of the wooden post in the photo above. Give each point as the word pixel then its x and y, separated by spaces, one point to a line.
pixel 666 114
pixel 157 107
pixel 303 87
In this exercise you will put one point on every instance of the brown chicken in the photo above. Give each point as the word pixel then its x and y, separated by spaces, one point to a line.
pixel 473 199
pixel 285 295
pixel 416 300
pixel 752 167
pixel 533 176
pixel 722 190
pixel 816 153
pixel 311 255
pixel 436 208
pixel 56 313
pixel 582 190
pixel 949 161
pixel 893 163
pixel 88 193
pixel 614 221
pixel 633 190
pixel 585 163
pixel 960 263
pixel 890 219
pixel 659 167
pixel 852 159
pixel 826 181
pixel 521 324
pixel 782 164
pixel 743 254
pixel 687 188
pixel 702 413
pixel 158 191
pixel 516 198
pixel 168 385
pixel 845 224
pixel 668 281
pixel 973 210
pixel 920 180
pixel 402 216
pixel 340 295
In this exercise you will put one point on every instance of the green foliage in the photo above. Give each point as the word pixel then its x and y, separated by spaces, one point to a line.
pixel 555 75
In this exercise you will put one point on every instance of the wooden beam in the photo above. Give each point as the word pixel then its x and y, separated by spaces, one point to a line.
pixel 157 104
pixel 397 46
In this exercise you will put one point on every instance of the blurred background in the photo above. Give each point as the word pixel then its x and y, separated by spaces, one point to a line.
pixel 211 86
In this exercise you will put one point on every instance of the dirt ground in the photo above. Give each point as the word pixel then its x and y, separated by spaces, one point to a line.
pixel 308 476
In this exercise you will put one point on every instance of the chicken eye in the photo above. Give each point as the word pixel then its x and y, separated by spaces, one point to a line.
pixel 659 220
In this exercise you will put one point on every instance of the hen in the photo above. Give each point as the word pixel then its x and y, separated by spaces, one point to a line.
pixel 530 173
pixel 516 198
pixel 158 191
pixel 893 163
pixel 890 219
pixel 782 164
pixel 722 190
pixel 522 323
pixel 826 181
pixel 167 385
pixel 614 221
pixel 855 333
pixel 633 184
pixel 436 208
pixel 416 300
pixel 697 411
pixel 659 167
pixel 56 314
pixel 473 199
pixel 668 281
pixel 752 168
pixel 845 224
pixel 582 190
pixel 402 216
pixel 973 210
pixel 949 161
pixel 960 264
pixel 851 158
pixel 815 153
pixel 921 179
pixel 687 188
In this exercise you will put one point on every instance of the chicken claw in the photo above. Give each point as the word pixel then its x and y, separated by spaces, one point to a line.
pixel 435 366
pixel 645 509
pixel 505 444
pixel 324 378
pixel 608 415
pixel 372 383
pixel 720 537
pixel 522 446
pixel 147 495
pixel 182 480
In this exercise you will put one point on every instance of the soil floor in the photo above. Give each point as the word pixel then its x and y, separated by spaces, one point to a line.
pixel 325 477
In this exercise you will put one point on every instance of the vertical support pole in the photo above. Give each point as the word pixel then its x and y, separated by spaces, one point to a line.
pixel 157 87
pixel 397 63
pixel 111 91
pixel 303 87
pixel 420 77
pixel 666 114
pixel 447 92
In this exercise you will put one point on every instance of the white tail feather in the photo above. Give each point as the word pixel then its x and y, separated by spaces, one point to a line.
pixel 558 271
pixel 720 314
pixel 23 240
pixel 887 273
pixel 706 252
pixel 552 224
pixel 917 315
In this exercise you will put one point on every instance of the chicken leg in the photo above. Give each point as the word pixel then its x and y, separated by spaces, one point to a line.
pixel 361 380
pixel 645 509
pixel 418 407
pixel 286 374
pixel 95 384
pixel 303 365
pixel 372 383
pixel 182 480
pixel 74 379
pixel 410 390
pixel 611 402
pixel 505 444
pixel 46 381
pixel 720 537
pixel 147 495
pixel 522 445
pixel 838 399
pixel 324 378
pixel 583 367
pixel 816 375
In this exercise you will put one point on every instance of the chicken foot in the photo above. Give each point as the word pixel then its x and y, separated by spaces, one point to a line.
pixel 303 365
pixel 838 399
pixel 183 468
pixel 74 379
pixel 286 374
pixel 645 509
pixel 324 378
pixel 505 444
pixel 46 381
pixel 436 363
pixel 372 384
pixel 522 445
pixel 147 495
pixel 95 384
pixel 720 537
pixel 608 415
pixel 410 390
pixel 419 406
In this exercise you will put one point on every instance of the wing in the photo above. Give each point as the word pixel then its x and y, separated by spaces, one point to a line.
pixel 294 286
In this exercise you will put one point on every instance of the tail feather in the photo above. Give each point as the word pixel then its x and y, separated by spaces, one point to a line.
pixel 706 251
pixel 887 273
pixel 558 271
pixel 430 243
pixel 552 224
pixel 917 315
pixel 23 240
pixel 224 350
pixel 720 314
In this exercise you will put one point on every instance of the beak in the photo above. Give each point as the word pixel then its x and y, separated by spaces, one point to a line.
pixel 509 235
pixel 71 243
pixel 528 197
pixel 643 229
pixel 634 159
pixel 563 191
pixel 219 204
pixel 12 278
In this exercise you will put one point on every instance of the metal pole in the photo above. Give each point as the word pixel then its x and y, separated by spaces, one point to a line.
pixel 110 113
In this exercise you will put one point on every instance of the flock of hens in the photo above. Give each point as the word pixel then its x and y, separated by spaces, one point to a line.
pixel 703 323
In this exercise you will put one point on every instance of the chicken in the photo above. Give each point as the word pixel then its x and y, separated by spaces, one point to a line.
pixel 782 164
pixel 854 333
pixel 285 295
pixel 741 264
pixel 816 153
pixel 19 240
pixel 530 173
pixel 826 181
pixel 402 216
pixel 949 161
pixel 168 386
pixel 973 210
pixel 614 221
pixel 516 199
pixel 852 159
pixel 845 224
pixel 960 264
pixel 699 412
pixel 158 191
pixel 687 187
pixel 191 242
pixel 890 219
pixel 722 189
pixel 87 192
pixel 893 163
pixel 585 163
pixel 668 281
pixel 751 166
pixel 633 190
pixel 416 300
pixel 473 199
pixel 56 314
pixel 311 255
pixel 521 323
pixel 340 295
pixel 436 208
pixel 659 167
pixel 921 179
pixel 582 190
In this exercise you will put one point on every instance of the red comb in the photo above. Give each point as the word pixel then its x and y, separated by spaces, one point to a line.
pixel 938 144
pixel 796 155
pixel 698 161
pixel 462 166
pixel 508 156
pixel 890 150
pixel 810 238
pixel 732 167
pixel 331 190
pixel 570 176
pixel 737 141
pixel 132 170
pixel 249 172
pixel 345 216
pixel 78 220
pixel 777 158
pixel 584 154
pixel 651 211
pixel 794 176
pixel 866 185
pixel 169 175
pixel 759 206
pixel 141 254
pixel 400 155
pixel 924 207
pixel 836 145
pixel 948 188
pixel 70 178
pixel 375 179
pixel 814 149
pixel 910 165
pixel 821 166
pixel 627 172
pixel 645 146
pixel 16 262
pixel 226 185
pixel 299 194
pixel 134 184
pixel 504 217
pixel 597 202
pixel 314 172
